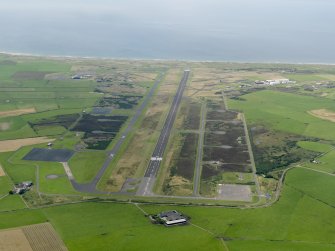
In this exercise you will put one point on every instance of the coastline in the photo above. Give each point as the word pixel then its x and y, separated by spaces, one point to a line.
pixel 159 59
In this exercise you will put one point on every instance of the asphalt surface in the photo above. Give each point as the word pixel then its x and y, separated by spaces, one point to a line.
pixel 53 155
pixel 197 174
pixel 252 160
pixel 91 187
pixel 157 156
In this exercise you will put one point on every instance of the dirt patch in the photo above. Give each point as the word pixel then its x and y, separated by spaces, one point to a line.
pixel 184 167
pixel 14 239
pixel 209 171
pixel 16 112
pixel 30 75
pixel 192 119
pixel 221 115
pixel 13 145
pixel 99 130
pixel 119 101
pixel 177 185
pixel 184 158
pixel 323 114
pixel 53 176
pixel 233 155
pixel 233 137
pixel 65 121
pixel 4 126
pixel 2 173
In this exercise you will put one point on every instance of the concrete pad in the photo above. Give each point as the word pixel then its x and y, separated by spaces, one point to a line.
pixel 234 192
pixel 130 185
pixel 146 186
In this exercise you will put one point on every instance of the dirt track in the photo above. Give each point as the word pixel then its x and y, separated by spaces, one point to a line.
pixel 17 112
pixel 2 173
pixel 13 145
pixel 323 114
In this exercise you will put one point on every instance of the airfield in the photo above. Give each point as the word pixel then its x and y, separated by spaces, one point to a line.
pixel 249 160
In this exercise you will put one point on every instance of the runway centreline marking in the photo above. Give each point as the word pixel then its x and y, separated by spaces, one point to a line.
pixel 163 138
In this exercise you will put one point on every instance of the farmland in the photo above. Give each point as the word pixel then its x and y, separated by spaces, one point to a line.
pixel 34 237
pixel 259 228
pixel 83 107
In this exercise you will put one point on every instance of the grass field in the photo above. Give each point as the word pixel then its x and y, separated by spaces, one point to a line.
pixel 85 165
pixel 314 184
pixel 298 221
pixel 325 163
pixel 125 229
pixel 11 202
pixel 302 218
pixel 315 146
pixel 286 112
pixel 60 185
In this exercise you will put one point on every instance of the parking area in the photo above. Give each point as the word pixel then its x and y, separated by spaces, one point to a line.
pixel 234 192
pixel 55 155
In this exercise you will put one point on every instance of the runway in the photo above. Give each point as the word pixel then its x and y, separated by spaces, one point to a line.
pixel 158 153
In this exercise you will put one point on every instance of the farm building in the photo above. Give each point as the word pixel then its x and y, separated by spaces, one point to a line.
pixel 22 187
pixel 171 218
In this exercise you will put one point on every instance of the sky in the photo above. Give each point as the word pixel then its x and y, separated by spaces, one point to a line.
pixel 185 26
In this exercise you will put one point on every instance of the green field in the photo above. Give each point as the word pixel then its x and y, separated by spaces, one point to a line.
pixel 85 165
pixel 286 112
pixel 59 185
pixel 314 184
pixel 277 117
pixel 324 163
pixel 300 220
pixel 315 146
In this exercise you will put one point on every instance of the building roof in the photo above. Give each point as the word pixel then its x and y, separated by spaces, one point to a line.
pixel 175 222
pixel 171 216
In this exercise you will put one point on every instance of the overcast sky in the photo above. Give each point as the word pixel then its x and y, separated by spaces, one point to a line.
pixel 295 25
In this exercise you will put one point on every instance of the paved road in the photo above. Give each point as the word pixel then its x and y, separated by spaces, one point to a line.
pixel 153 167
pixel 197 174
pixel 252 160
pixel 91 187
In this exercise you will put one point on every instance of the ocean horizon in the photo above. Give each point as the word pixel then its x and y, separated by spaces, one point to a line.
pixel 264 31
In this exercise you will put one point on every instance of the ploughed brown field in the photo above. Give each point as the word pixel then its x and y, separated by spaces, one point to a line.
pixel 15 144
pixel 37 237
pixel 17 112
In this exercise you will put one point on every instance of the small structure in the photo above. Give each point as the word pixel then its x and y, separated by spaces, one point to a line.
pixel 274 82
pixel 76 77
pixel 22 187
pixel 314 161
pixel 171 218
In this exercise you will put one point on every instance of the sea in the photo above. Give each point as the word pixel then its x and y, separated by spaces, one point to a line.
pixel 293 31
